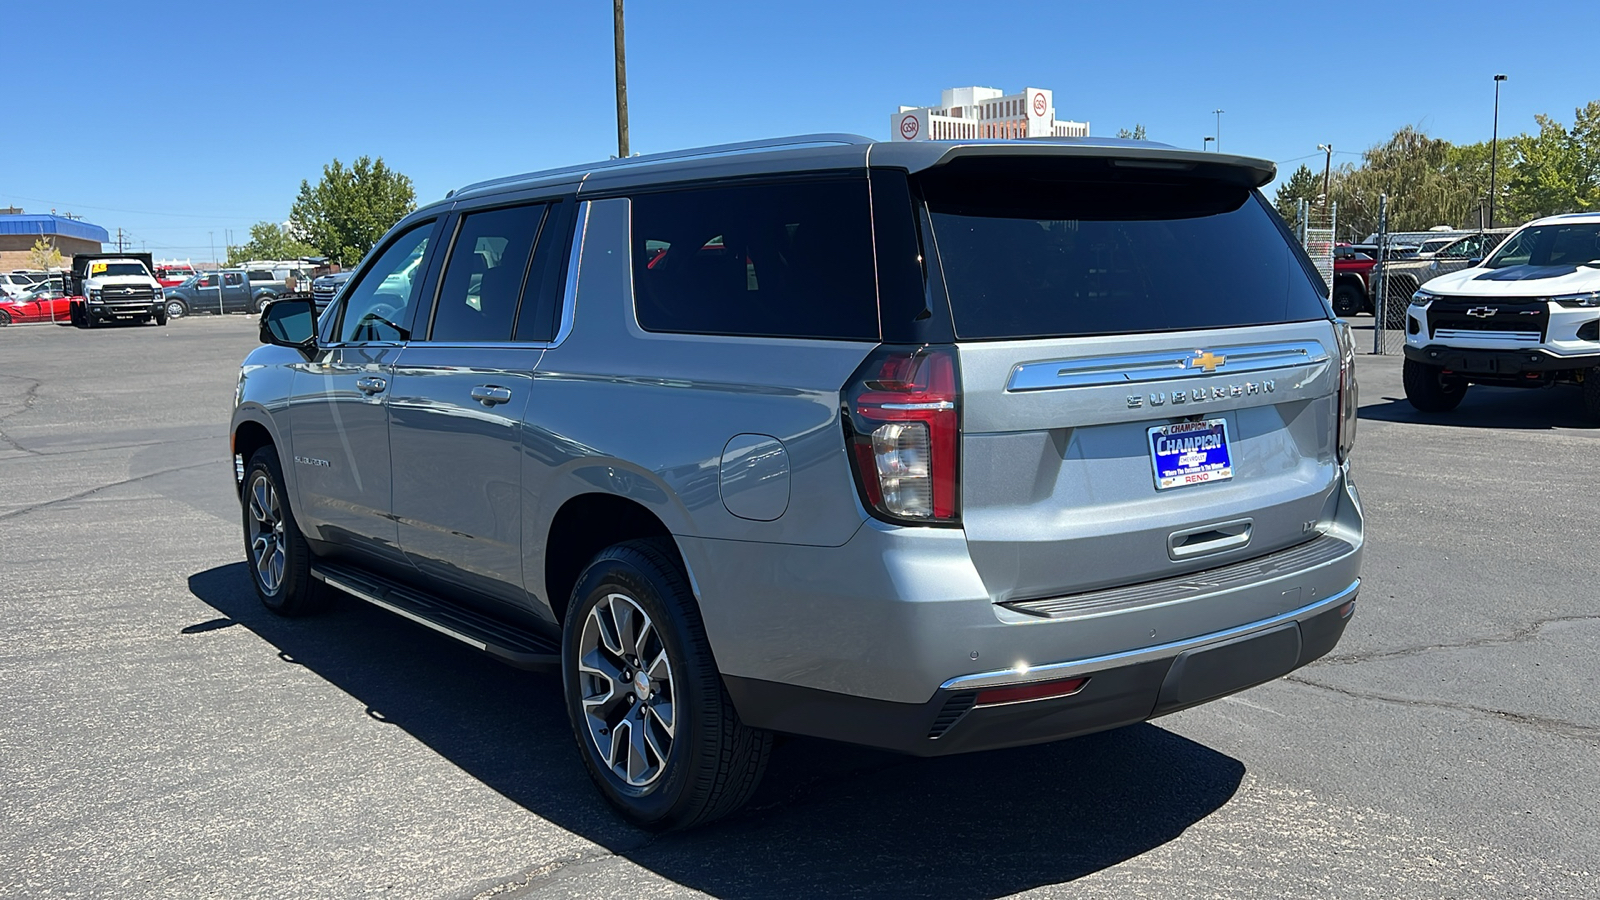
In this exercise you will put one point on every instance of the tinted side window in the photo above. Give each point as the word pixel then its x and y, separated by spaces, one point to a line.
pixel 374 306
pixel 484 278
pixel 1025 255
pixel 232 279
pixel 773 260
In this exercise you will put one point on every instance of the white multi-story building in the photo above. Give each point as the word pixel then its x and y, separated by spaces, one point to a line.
pixel 979 112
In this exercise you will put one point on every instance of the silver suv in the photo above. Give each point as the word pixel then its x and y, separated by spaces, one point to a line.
pixel 935 447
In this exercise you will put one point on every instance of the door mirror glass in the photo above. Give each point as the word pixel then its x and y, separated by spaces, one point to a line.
pixel 290 323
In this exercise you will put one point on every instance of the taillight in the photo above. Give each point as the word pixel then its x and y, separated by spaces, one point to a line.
pixel 1349 407
pixel 903 426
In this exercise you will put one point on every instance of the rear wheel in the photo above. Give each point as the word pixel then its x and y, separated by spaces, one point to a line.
pixel 656 728
pixel 1429 389
pixel 279 558
pixel 1347 301
pixel 261 303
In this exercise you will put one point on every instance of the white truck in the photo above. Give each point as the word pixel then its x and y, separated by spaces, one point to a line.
pixel 112 287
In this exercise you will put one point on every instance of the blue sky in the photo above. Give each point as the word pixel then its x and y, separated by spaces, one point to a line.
pixel 212 112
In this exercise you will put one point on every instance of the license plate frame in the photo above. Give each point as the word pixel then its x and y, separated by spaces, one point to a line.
pixel 1184 454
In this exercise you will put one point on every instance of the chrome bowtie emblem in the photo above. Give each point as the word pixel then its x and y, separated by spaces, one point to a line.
pixel 1482 312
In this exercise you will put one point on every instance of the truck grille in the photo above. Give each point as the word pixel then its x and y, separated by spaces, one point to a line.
pixel 1500 318
pixel 127 294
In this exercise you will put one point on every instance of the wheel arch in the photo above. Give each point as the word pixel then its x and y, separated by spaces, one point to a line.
pixel 587 523
pixel 253 431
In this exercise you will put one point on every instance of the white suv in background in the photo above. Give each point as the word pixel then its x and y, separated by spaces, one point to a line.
pixel 1528 316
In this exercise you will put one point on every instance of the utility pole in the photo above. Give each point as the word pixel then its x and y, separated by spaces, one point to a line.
pixel 1327 173
pixel 1219 129
pixel 622 83
pixel 1494 145
pixel 119 240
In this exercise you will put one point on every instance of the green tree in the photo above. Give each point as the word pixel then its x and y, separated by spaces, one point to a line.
pixel 44 255
pixel 270 241
pixel 1302 185
pixel 1422 178
pixel 1136 134
pixel 1556 170
pixel 350 208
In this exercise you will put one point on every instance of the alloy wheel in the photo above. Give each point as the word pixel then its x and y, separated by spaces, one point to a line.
pixel 626 690
pixel 267 551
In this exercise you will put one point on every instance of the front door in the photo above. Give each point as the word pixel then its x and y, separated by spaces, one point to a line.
pixel 456 410
pixel 339 427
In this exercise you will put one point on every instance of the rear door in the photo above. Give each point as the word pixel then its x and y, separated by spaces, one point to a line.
pixel 457 403
pixel 1149 375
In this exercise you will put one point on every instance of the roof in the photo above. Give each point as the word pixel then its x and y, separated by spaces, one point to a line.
pixel 816 152
pixel 1577 218
pixel 52 226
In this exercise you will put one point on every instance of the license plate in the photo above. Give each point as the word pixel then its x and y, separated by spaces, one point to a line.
pixel 1190 453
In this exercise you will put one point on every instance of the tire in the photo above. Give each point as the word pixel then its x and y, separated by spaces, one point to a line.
pixel 161 316
pixel 5 318
pixel 1429 389
pixel 635 594
pixel 1348 301
pixel 274 548
pixel 1591 393
pixel 177 309
pixel 88 320
pixel 261 302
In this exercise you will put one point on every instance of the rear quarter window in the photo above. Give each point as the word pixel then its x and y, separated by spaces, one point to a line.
pixel 787 259
pixel 1026 255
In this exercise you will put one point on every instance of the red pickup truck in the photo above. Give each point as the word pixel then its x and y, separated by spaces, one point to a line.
pixel 1352 275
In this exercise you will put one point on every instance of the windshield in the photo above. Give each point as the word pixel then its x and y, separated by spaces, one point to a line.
pixel 1029 257
pixel 114 269
pixel 1550 245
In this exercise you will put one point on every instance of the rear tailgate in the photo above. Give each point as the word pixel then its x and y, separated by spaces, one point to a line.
pixel 1059 483
pixel 1149 374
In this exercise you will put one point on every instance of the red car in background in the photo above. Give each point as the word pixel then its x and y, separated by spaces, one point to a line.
pixel 173 274
pixel 1352 275
pixel 46 304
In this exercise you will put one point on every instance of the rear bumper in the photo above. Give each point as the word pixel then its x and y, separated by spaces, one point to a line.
pixel 1121 690
pixel 1496 363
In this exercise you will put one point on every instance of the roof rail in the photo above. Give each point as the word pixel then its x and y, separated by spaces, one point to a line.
pixel 799 140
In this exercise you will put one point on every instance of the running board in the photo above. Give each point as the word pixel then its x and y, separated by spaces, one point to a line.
pixel 507 642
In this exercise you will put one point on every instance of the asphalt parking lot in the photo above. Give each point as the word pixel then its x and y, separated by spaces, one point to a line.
pixel 163 735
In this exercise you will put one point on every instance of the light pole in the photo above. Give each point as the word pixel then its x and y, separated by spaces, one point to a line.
pixel 622 83
pixel 1327 173
pixel 1494 146
pixel 1206 144
pixel 1219 129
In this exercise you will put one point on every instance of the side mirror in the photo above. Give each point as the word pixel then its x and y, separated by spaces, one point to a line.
pixel 1475 260
pixel 290 322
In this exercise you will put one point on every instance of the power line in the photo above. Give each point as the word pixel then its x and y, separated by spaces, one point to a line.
pixel 136 212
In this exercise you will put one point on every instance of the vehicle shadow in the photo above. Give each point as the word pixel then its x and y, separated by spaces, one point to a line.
pixel 1542 409
pixel 829 820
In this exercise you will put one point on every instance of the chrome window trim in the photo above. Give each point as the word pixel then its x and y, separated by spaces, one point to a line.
pixel 1134 368
pixel 1029 674
pixel 569 296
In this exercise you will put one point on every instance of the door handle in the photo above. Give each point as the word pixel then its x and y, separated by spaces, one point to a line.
pixel 489 395
pixel 1208 539
pixel 371 384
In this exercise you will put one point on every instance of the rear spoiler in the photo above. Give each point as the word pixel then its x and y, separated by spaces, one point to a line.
pixel 1081 153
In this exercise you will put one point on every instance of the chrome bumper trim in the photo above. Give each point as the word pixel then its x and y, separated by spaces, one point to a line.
pixel 1069 668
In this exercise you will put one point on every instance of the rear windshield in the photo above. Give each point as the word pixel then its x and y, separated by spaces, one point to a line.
pixel 1029 257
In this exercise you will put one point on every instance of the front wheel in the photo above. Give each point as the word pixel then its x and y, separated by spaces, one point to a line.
pixel 1591 393
pixel 279 558
pixel 1429 389
pixel 5 318
pixel 177 309
pixel 656 728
